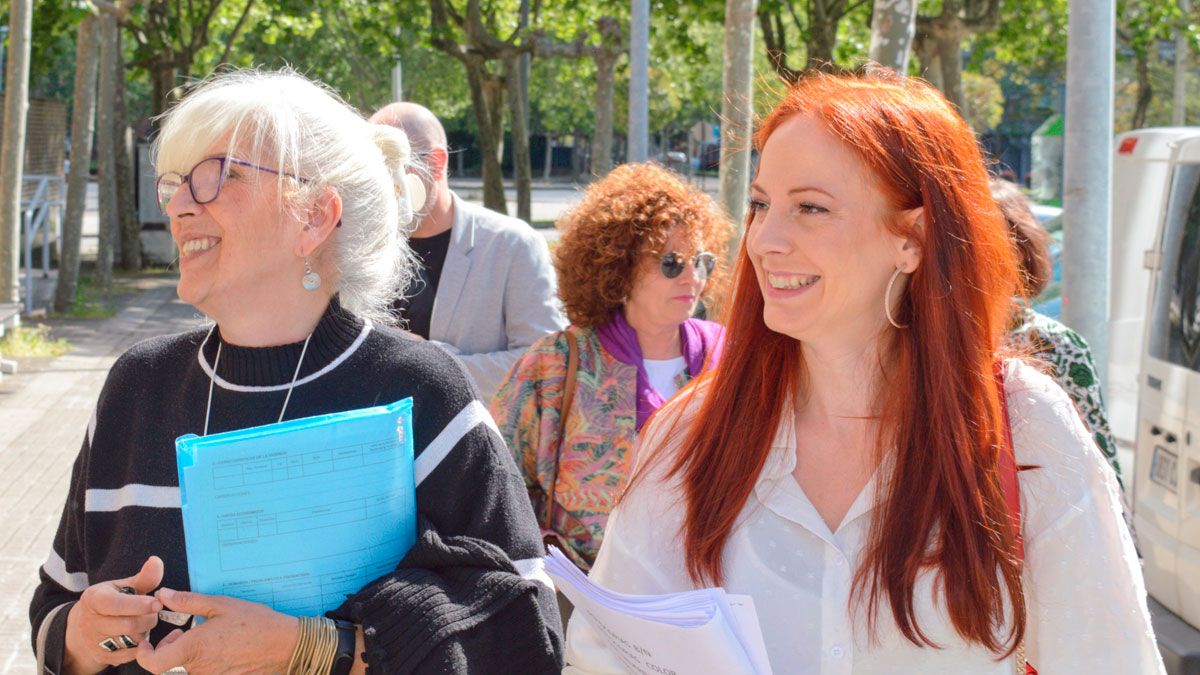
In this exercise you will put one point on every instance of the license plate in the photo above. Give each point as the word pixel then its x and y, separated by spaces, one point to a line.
pixel 1164 468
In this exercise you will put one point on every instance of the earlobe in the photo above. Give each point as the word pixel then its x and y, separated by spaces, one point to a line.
pixel 910 248
pixel 323 217
pixel 910 256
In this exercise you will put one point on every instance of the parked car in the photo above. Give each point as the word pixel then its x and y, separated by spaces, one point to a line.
pixel 1166 484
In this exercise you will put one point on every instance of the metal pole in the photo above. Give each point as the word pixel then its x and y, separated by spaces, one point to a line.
pixel 737 107
pixel 1182 53
pixel 398 81
pixel 639 81
pixel 1087 172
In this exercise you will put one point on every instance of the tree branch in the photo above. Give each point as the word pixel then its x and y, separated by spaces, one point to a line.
pixel 854 7
pixel 200 37
pixel 237 30
pixel 454 15
pixel 795 17
pixel 439 26
pixel 119 10
pixel 987 20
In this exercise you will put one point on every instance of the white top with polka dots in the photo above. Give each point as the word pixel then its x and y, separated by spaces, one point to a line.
pixel 1083 585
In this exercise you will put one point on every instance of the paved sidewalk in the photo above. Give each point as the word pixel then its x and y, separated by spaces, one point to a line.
pixel 44 412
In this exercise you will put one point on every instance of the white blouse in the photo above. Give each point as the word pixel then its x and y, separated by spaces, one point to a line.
pixel 662 374
pixel 1083 585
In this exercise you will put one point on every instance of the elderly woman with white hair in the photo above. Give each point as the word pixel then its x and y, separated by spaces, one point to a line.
pixel 289 212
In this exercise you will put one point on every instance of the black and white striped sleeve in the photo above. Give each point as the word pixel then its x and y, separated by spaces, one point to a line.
pixel 62 577
pixel 471 596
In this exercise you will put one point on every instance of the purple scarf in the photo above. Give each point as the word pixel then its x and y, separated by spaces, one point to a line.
pixel 697 340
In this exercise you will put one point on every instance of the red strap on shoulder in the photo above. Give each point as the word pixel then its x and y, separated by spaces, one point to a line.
pixel 1007 465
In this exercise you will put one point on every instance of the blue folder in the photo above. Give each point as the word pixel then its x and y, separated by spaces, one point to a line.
pixel 298 515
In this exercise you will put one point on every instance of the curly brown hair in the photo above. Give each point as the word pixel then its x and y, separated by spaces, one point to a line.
pixel 625 216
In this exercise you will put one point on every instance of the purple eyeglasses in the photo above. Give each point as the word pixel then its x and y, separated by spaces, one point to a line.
pixel 204 180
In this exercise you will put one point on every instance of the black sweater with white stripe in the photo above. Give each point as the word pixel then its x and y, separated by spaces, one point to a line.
pixel 468 597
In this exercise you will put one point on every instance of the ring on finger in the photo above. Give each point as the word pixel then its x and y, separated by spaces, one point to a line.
pixel 110 645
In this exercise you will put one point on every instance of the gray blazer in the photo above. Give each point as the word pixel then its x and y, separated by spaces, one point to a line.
pixel 496 295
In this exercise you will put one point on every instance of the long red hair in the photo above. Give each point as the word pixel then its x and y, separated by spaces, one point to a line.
pixel 942 509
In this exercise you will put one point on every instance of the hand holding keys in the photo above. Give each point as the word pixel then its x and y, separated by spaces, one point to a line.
pixel 125 642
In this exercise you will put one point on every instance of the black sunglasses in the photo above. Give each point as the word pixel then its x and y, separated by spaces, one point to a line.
pixel 672 262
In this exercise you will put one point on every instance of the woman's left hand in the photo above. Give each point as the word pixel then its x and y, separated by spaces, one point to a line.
pixel 236 636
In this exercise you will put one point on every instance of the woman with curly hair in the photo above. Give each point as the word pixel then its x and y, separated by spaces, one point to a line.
pixel 636 256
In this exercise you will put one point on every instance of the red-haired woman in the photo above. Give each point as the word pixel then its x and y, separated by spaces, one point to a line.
pixel 845 463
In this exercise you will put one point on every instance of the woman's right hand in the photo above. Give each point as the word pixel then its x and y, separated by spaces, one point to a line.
pixel 104 612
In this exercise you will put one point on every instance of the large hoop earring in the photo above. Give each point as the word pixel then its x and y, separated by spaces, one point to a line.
pixel 887 300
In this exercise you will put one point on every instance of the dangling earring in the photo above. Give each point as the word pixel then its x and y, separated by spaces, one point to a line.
pixel 311 280
pixel 887 300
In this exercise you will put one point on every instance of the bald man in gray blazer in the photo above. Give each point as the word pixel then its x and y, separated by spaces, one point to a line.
pixel 485 288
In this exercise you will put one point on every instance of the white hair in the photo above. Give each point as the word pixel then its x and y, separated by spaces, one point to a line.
pixel 307 131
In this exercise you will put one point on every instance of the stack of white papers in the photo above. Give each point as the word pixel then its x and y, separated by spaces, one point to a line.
pixel 702 631
pixel 298 515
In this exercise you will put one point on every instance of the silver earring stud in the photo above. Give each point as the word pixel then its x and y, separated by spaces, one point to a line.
pixel 311 280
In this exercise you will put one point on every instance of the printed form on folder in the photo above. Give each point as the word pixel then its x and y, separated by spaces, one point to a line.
pixel 298 515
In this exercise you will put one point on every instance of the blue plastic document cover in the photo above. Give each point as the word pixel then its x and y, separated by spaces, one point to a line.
pixel 298 515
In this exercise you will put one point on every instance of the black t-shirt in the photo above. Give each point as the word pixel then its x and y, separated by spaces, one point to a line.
pixel 416 307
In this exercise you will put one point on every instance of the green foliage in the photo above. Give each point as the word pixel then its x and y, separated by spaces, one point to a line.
pixel 559 99
pixel 32 342
pixel 352 46
pixel 90 302
pixel 984 102
pixel 1143 24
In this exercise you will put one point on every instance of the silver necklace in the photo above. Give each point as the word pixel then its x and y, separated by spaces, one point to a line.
pixel 212 376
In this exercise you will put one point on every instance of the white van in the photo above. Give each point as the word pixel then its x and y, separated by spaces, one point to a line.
pixel 1140 171
pixel 1166 483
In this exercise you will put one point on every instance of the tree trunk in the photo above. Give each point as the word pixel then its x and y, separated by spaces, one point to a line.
pixel 928 59
pixel 82 117
pixel 1145 93
pixel 737 115
pixel 163 77
pixel 602 138
pixel 581 153
pixel 127 215
pixel 892 26
pixel 546 165
pixel 519 129
pixel 12 146
pixel 950 55
pixel 106 149
pixel 820 44
pixel 489 143
pixel 775 42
